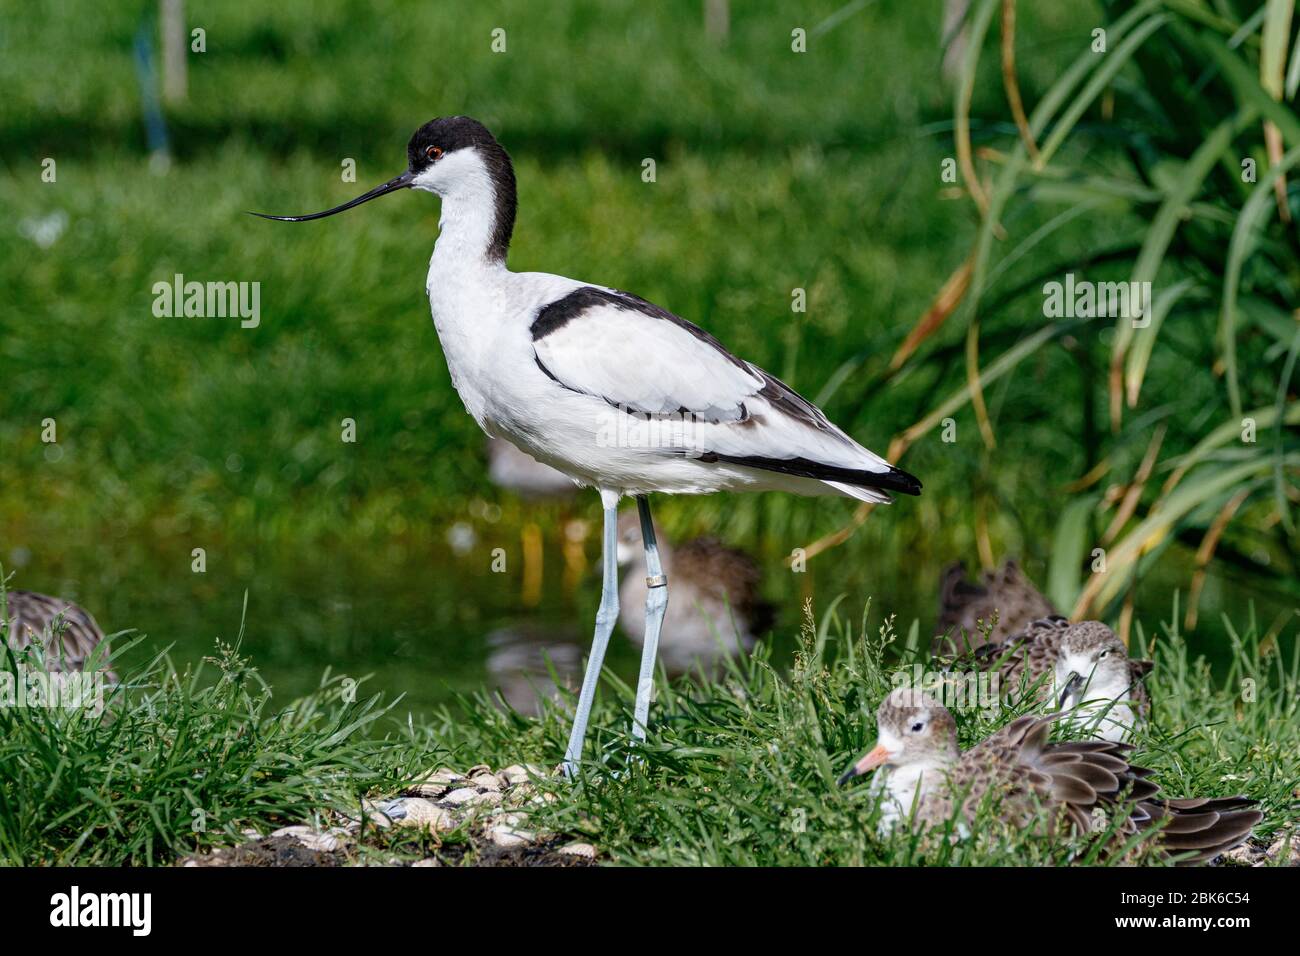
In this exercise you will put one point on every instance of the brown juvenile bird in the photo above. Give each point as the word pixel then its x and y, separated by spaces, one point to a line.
pixel 715 611
pixel 1084 669
pixel 1005 593
pixel 67 631
pixel 1055 789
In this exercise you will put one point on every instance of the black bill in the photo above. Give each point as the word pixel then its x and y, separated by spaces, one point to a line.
pixel 1072 687
pixel 401 182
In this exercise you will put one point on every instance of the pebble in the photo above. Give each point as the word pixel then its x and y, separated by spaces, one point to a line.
pixel 515 775
pixel 375 814
pixel 1244 855
pixel 418 812
pixel 437 783
pixel 444 776
pixel 1249 854
pixel 445 800
pixel 506 836
pixel 509 831
pixel 1280 845
pixel 463 795
pixel 324 842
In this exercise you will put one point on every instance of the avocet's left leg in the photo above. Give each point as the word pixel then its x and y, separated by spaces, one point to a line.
pixel 606 618
pixel 656 603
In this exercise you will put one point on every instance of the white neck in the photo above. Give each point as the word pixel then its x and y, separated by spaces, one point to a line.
pixel 469 212
pixel 465 233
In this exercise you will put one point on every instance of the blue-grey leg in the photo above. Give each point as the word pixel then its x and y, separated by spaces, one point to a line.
pixel 656 603
pixel 606 616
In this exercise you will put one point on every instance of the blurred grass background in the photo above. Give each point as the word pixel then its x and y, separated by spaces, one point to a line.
pixel 775 171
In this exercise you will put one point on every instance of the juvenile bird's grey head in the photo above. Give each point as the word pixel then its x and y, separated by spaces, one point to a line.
pixel 911 728
pixel 1092 663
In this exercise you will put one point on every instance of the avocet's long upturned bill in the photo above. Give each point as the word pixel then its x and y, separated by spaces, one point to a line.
pixel 615 392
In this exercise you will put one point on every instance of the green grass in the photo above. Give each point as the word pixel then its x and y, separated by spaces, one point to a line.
pixel 737 771
pixel 742 772
pixel 184 760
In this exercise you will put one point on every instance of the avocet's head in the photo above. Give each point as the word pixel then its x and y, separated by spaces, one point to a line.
pixel 1092 663
pixel 454 157
pixel 911 728
pixel 455 154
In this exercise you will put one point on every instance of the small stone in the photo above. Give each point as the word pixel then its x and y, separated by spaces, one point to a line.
pixel 437 783
pixel 514 775
pixel 291 831
pixel 1244 855
pixel 1279 847
pixel 250 834
pixel 324 842
pixel 428 861
pixel 506 836
pixel 584 850
pixel 421 813
pixel 375 814
pixel 443 775
pixel 463 795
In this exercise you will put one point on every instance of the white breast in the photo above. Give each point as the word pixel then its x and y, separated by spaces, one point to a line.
pixel 904 788
pixel 1104 709
pixel 483 314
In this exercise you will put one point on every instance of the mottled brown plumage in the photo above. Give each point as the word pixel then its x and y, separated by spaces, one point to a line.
pixel 1083 666
pixel 716 608
pixel 1031 784
pixel 67 631
pixel 1005 594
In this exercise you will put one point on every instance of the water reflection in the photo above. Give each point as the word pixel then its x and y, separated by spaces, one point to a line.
pixel 429 622
pixel 530 663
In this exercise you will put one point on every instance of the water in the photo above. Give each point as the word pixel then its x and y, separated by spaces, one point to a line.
pixel 429 621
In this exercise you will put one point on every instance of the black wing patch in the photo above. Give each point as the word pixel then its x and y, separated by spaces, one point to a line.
pixel 556 315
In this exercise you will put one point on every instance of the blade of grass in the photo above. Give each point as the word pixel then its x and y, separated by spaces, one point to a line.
pixel 1244 236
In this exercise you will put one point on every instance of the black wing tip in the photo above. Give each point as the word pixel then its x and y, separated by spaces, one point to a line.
pixel 901 481
pixel 895 479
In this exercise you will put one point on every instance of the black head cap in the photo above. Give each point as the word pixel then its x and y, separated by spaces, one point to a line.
pixel 448 133
pixel 452 133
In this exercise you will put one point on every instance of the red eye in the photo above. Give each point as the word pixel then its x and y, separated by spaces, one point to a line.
pixel 434 153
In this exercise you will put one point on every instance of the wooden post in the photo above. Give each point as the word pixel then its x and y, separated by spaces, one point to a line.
pixel 171 15
pixel 717 20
